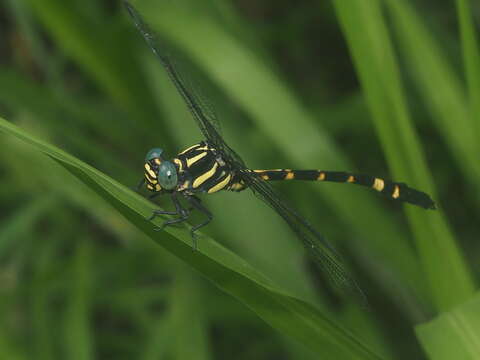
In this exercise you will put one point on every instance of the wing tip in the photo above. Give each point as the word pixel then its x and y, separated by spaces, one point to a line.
pixel 129 7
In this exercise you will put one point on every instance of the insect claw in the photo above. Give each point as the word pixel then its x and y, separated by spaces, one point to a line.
pixel 194 236
pixel 163 226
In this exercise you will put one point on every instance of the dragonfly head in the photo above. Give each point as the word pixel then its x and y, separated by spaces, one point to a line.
pixel 155 153
pixel 159 173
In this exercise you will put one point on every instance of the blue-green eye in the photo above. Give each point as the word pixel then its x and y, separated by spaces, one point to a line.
pixel 167 175
pixel 153 154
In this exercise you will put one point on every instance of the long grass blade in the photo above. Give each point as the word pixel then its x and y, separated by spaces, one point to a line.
pixel 454 334
pixel 439 86
pixel 284 312
pixel 372 51
pixel 471 59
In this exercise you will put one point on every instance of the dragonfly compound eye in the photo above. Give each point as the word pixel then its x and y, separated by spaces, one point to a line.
pixel 155 153
pixel 167 175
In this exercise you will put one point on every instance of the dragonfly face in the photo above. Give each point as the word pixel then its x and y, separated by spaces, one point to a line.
pixel 159 174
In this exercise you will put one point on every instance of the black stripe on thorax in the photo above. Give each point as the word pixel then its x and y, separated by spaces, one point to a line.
pixel 201 168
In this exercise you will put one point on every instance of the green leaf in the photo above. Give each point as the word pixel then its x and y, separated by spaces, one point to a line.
pixel 188 317
pixel 367 35
pixel 439 85
pixel 42 315
pixel 229 272
pixel 78 334
pixel 454 334
pixel 97 48
pixel 471 58
pixel 22 220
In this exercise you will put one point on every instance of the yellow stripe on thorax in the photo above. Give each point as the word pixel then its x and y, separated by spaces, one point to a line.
pixel 266 170
pixel 237 186
pixel 179 163
pixel 184 186
pixel 189 148
pixel 193 160
pixel 220 185
pixel 205 176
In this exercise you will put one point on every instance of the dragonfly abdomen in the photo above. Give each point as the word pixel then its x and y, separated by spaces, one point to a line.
pixel 393 190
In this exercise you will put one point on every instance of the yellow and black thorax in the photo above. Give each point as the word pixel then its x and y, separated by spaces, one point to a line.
pixel 198 169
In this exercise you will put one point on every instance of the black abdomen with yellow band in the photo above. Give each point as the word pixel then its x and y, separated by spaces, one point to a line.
pixel 199 169
pixel 393 190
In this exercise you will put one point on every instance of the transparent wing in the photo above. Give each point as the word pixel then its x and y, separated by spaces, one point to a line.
pixel 205 116
pixel 315 244
pixel 199 105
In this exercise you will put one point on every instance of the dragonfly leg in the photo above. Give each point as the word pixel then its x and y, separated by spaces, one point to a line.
pixel 196 204
pixel 196 198
pixel 183 217
pixel 156 213
pixel 179 210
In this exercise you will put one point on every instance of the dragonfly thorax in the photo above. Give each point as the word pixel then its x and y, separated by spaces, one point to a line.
pixel 201 169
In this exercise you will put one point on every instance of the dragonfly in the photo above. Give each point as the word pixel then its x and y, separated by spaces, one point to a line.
pixel 211 166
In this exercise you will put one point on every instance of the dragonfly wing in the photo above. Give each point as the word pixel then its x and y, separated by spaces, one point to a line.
pixel 316 245
pixel 206 117
pixel 187 85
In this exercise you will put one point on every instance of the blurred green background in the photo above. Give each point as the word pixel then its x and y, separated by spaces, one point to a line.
pixel 384 87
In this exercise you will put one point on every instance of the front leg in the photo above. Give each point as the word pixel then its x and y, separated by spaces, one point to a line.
pixel 179 210
pixel 156 213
